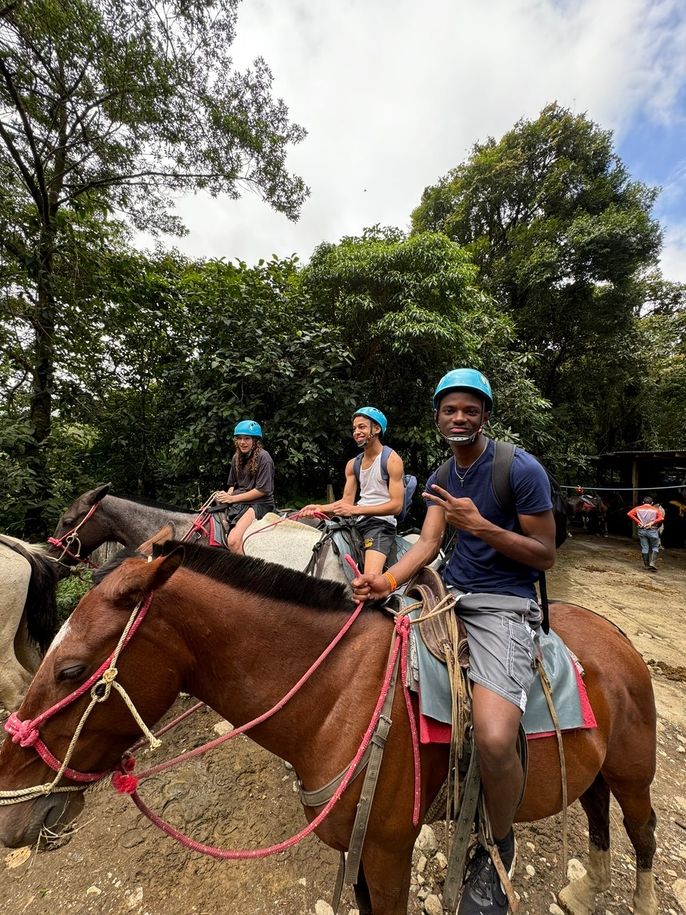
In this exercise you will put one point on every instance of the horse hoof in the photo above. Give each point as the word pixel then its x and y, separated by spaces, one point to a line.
pixel 577 898
pixel 645 898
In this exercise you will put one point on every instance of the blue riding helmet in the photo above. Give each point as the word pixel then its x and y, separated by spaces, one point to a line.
pixel 248 427
pixel 464 380
pixel 375 415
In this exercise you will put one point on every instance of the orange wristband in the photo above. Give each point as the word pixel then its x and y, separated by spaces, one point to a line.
pixel 391 581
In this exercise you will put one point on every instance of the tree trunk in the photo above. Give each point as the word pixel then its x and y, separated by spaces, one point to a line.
pixel 35 524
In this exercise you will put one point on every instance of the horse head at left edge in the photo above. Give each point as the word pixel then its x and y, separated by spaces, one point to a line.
pixel 41 730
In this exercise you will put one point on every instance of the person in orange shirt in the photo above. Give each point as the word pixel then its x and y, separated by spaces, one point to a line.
pixel 648 517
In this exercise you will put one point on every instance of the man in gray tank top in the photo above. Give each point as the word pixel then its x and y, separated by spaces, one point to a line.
pixel 380 487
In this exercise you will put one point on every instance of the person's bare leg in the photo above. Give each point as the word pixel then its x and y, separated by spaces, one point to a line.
pixel 496 724
pixel 237 532
pixel 374 562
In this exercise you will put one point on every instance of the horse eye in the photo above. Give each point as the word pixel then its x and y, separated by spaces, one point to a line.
pixel 68 522
pixel 71 673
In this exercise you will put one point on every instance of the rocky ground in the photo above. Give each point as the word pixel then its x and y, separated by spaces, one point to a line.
pixel 240 797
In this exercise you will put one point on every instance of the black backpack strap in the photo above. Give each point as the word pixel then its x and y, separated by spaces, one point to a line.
pixel 545 607
pixel 443 473
pixel 500 479
pixel 503 455
pixel 386 452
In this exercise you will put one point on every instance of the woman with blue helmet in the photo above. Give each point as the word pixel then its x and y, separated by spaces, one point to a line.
pixel 250 488
pixel 381 489
pixel 499 553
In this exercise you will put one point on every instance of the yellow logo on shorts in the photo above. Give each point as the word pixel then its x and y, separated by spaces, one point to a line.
pixel 368 543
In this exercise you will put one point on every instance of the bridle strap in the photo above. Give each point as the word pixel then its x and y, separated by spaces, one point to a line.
pixel 27 733
pixel 71 537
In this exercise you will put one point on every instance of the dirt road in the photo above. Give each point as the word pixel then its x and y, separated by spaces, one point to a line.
pixel 241 797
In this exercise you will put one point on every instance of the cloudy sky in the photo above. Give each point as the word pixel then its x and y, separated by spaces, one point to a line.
pixel 393 93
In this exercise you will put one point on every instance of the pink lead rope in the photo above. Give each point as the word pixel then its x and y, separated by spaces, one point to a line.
pixel 127 783
pixel 27 734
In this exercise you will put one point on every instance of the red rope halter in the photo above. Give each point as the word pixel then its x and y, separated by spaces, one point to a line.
pixel 27 734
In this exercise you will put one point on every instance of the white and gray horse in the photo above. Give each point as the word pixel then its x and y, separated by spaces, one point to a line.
pixel 28 614
pixel 96 518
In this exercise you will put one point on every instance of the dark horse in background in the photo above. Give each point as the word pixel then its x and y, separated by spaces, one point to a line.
pixel 589 511
pixel 238 633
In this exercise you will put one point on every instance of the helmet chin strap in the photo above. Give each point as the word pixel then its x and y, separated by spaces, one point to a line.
pixel 367 441
pixel 463 439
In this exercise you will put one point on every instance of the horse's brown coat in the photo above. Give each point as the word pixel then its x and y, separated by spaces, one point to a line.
pixel 241 653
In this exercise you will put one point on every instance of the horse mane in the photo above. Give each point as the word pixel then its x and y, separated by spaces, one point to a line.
pixel 151 503
pixel 247 573
pixel 126 552
pixel 40 606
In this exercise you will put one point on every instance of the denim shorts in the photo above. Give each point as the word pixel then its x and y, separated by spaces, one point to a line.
pixel 503 643
pixel 377 535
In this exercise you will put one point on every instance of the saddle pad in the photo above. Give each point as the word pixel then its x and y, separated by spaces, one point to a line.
pixel 208 530
pixel 341 536
pixel 289 544
pixel 569 693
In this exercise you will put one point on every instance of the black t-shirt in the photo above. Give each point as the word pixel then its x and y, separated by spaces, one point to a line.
pixel 263 479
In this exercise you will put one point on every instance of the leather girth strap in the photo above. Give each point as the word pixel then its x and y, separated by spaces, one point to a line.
pixel 445 636
pixel 464 821
pixel 349 865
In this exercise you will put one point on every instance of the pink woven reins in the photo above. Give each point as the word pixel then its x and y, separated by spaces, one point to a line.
pixel 71 537
pixel 128 783
pixel 27 734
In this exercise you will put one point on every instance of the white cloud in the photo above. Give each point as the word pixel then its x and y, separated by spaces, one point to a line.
pixel 394 93
pixel 673 260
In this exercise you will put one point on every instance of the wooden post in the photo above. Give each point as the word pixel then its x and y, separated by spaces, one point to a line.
pixel 634 484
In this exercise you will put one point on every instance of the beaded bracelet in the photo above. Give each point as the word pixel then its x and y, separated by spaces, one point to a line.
pixel 391 581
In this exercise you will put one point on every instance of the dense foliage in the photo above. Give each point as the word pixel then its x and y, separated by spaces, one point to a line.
pixel 562 237
pixel 533 260
pixel 105 108
pixel 409 310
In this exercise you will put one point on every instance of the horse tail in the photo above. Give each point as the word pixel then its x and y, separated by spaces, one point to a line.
pixel 40 608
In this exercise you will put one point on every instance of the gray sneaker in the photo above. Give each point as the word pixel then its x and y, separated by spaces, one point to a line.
pixel 483 893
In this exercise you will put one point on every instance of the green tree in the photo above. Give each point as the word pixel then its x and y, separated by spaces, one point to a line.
pixel 182 350
pixel 560 234
pixel 138 327
pixel 259 349
pixel 662 394
pixel 410 309
pixel 106 107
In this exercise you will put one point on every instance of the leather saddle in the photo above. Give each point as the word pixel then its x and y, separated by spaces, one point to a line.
pixel 437 633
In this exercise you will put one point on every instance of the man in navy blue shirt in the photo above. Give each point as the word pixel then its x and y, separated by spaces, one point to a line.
pixel 498 554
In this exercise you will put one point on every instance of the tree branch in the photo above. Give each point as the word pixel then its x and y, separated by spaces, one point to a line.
pixel 41 189
pixel 177 176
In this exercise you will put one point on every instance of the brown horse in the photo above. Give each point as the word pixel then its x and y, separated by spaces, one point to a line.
pixel 589 511
pixel 238 633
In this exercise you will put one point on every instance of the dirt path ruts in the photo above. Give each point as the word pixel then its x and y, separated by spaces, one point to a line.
pixel 242 797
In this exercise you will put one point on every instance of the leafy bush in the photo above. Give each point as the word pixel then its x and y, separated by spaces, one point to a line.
pixel 69 593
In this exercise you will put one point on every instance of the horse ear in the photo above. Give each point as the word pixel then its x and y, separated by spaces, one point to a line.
pixel 95 495
pixel 165 567
pixel 164 533
pixel 134 580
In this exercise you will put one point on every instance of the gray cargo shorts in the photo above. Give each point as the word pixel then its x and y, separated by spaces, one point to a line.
pixel 502 632
pixel 377 535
